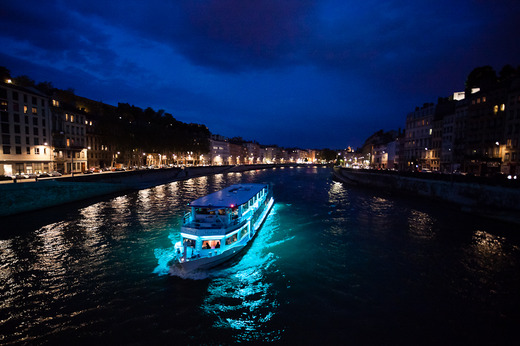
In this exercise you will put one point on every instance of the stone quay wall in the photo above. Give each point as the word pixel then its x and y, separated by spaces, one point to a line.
pixel 48 192
pixel 494 200
pixel 28 196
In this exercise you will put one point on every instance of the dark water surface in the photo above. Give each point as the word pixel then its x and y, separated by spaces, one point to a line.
pixel 332 264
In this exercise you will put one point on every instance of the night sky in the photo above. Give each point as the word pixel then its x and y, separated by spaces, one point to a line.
pixel 312 74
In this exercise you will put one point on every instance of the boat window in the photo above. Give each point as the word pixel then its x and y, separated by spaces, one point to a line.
pixel 222 211
pixel 189 242
pixel 211 244
pixel 231 239
pixel 202 211
pixel 243 232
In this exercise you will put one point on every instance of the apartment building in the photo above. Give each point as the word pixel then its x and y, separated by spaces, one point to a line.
pixel 459 134
pixel 219 151
pixel 26 131
pixel 252 153
pixel 442 135
pixel 511 147
pixel 484 131
pixel 69 137
pixel 236 154
pixel 417 151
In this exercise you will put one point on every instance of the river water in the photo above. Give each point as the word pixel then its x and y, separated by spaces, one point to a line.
pixel 332 264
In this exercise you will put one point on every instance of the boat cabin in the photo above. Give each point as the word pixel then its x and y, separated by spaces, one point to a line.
pixel 226 207
pixel 219 220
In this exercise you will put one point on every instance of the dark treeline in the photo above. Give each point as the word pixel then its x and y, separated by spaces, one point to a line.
pixel 154 131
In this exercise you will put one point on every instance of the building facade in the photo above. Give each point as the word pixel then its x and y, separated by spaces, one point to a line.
pixel 26 131
pixel 484 131
pixel 511 150
pixel 417 152
pixel 219 152
pixel 69 138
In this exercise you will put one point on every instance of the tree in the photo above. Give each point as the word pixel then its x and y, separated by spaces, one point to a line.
pixel 329 155
pixel 45 87
pixel 481 77
pixel 4 74
pixel 23 81
pixel 506 72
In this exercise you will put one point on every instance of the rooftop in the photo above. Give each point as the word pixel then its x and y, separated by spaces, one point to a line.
pixel 233 195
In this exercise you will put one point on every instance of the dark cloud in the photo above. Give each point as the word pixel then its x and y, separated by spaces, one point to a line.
pixel 270 66
pixel 228 35
pixel 236 35
pixel 57 35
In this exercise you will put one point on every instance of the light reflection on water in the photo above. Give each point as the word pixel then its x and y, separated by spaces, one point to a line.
pixel 332 264
pixel 421 225
pixel 242 298
pixel 484 256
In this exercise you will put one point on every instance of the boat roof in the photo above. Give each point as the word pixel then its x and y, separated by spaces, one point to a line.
pixel 233 195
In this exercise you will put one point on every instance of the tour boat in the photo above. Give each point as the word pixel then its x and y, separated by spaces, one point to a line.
pixel 219 225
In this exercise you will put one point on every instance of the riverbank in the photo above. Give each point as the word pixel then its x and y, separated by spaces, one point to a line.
pixel 49 192
pixel 498 199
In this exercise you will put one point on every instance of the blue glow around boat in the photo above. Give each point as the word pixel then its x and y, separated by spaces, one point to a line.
pixel 221 224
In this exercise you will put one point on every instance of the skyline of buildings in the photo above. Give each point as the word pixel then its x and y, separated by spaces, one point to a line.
pixel 476 131
pixel 63 132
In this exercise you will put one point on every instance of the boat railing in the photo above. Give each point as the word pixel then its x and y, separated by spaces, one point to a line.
pixel 205 230
pixel 187 218
pixel 210 222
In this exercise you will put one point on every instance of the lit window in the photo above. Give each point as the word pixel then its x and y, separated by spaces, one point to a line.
pixel 25 109
pixel 68 142
pixel 34 110
pixel 66 117
pixel 502 107
pixel 495 109
pixel 484 99
pixel 71 118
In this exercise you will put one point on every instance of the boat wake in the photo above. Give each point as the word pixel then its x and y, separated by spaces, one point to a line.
pixel 164 258
pixel 255 257
pixel 242 299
